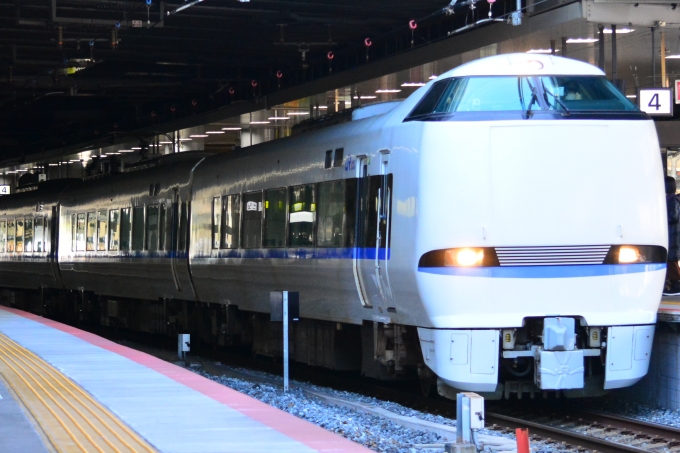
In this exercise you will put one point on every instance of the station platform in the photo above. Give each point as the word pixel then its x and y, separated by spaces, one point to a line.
pixel 669 310
pixel 82 393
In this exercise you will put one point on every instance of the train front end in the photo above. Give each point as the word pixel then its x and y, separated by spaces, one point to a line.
pixel 542 229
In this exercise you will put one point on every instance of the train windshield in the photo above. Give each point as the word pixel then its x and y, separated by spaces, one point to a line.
pixel 512 93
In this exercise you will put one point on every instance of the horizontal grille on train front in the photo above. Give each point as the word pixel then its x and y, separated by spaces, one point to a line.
pixel 552 255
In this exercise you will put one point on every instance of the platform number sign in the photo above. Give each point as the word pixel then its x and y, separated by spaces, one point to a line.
pixel 656 101
pixel 4 189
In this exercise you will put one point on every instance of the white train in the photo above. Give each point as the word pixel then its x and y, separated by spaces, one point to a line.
pixel 502 230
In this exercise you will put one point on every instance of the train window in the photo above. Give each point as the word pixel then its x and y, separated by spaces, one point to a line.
pixel 80 233
pixel 39 236
pixel 375 204
pixel 275 218
pixel 91 231
pixel 11 231
pixel 20 236
pixel 430 100
pixel 302 216
pixel 583 93
pixel 328 162
pixel 28 234
pixel 183 221
pixel 114 229
pixel 3 236
pixel 336 212
pixel 216 221
pixel 339 157
pixel 152 228
pixel 102 228
pixel 138 228
pixel 73 232
pixel 231 220
pixel 125 229
pixel 161 227
pixel 252 220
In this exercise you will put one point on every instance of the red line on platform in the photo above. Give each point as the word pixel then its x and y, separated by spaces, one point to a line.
pixel 301 430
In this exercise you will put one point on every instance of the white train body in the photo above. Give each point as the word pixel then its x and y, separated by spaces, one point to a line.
pixel 496 247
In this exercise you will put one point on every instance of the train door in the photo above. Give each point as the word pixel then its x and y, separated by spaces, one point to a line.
pixel 373 235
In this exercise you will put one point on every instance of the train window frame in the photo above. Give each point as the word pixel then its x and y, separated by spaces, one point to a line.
pixel 73 232
pixel 151 242
pixel 39 245
pixel 349 204
pixel 11 238
pixel 114 230
pixel 102 221
pixel 91 231
pixel 28 234
pixel 19 238
pixel 138 228
pixel 215 232
pixel 81 221
pixel 339 157
pixel 231 210
pixel 280 228
pixel 256 195
pixel 125 229
pixel 292 211
pixel 3 236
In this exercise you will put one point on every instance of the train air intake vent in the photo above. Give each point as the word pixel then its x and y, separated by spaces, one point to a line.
pixel 552 255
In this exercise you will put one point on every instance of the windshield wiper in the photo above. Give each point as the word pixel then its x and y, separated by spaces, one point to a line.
pixel 566 112
pixel 534 98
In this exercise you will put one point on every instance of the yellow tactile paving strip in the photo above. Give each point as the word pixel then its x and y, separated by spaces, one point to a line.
pixel 71 419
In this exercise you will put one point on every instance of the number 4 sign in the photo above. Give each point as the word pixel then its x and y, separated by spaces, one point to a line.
pixel 656 101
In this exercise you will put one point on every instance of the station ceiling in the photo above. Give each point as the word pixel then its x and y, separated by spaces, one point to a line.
pixel 82 70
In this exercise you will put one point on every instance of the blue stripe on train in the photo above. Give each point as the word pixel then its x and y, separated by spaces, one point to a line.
pixel 591 270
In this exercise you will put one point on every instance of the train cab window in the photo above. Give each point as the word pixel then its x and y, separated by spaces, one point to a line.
pixel 152 228
pixel 252 220
pixel 161 227
pixel 11 231
pixel 231 220
pixel 114 229
pixel 336 212
pixel 183 222
pixel 39 234
pixel 216 221
pixel 3 236
pixel 91 231
pixel 20 236
pixel 125 229
pixel 28 234
pixel 80 233
pixel 138 228
pixel 102 230
pixel 302 216
pixel 275 218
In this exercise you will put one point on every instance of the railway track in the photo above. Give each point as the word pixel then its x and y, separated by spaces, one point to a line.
pixel 561 427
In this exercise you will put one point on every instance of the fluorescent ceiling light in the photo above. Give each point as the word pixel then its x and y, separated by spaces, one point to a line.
pixel 672 57
pixel 198 136
pixel 413 84
pixel 215 132
pixel 10 172
pixel 126 151
pixel 388 91
pixel 619 31
pixel 278 118
pixel 365 97
pixel 182 140
pixel 298 113
pixel 260 122
pixel 541 51
pixel 136 147
pixel 323 107
pixel 631 96
pixel 22 169
pixel 231 128
pixel 54 165
pixel 432 77
pixel 581 40
pixel 165 143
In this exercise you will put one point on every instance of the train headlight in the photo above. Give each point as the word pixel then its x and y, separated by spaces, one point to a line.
pixel 465 257
pixel 628 254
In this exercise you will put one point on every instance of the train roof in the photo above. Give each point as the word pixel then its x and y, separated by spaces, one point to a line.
pixel 523 64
